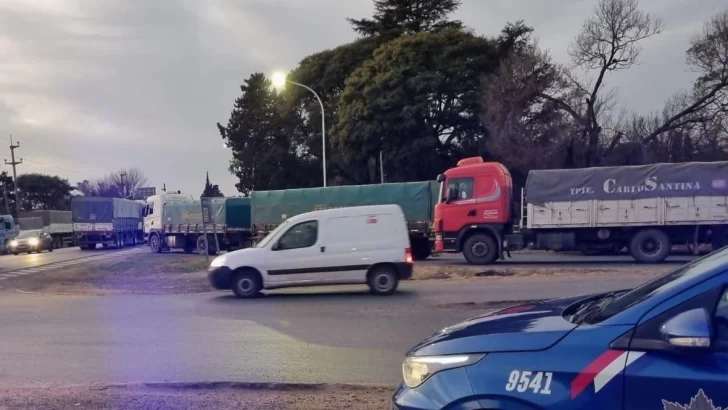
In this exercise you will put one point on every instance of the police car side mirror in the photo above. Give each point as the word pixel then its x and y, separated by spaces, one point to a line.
pixel 690 329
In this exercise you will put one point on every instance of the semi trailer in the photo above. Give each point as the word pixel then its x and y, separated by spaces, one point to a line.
pixel 646 208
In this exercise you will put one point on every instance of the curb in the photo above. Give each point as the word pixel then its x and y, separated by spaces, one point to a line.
pixel 215 385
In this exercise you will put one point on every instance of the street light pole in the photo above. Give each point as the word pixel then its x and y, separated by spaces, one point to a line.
pixel 323 124
pixel 279 80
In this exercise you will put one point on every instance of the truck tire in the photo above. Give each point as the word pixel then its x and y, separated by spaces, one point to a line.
pixel 650 246
pixel 382 280
pixel 420 248
pixel 246 284
pixel 201 245
pixel 155 243
pixel 480 249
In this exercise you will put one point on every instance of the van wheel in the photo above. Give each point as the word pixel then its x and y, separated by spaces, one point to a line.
pixel 480 249
pixel 382 280
pixel 650 246
pixel 245 284
pixel 155 244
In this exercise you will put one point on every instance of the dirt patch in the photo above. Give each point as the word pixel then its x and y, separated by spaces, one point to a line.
pixel 212 396
pixel 426 271
pixel 139 273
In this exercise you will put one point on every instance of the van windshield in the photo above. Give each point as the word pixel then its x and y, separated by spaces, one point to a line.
pixel 264 242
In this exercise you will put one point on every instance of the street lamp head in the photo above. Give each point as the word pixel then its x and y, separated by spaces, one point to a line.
pixel 279 79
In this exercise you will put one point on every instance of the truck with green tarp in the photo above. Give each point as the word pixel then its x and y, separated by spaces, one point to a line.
pixel 417 200
pixel 106 221
pixel 175 221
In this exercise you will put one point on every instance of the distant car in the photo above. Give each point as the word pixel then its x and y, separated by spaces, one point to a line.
pixel 662 345
pixel 364 244
pixel 31 241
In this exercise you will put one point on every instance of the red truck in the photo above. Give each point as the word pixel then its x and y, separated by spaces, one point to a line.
pixel 647 209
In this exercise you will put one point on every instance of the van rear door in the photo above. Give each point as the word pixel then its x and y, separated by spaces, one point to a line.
pixel 356 242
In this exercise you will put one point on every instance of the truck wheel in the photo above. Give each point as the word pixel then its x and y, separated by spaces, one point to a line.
pixel 650 246
pixel 480 249
pixel 382 280
pixel 155 243
pixel 202 246
pixel 420 249
pixel 246 284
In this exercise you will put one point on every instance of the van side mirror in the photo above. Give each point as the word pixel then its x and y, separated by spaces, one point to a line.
pixel 276 246
pixel 689 329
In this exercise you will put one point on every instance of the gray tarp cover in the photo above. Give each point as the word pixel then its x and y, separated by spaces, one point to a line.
pixel 629 182
pixel 48 216
pixel 103 210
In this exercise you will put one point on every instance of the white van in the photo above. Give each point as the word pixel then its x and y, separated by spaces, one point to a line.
pixel 363 244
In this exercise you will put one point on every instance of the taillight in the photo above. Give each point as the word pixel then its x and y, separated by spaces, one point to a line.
pixel 408 255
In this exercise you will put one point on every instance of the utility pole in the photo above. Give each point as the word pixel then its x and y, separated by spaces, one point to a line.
pixel 381 167
pixel 13 147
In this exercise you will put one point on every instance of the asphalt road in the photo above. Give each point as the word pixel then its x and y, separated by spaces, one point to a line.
pixel 310 335
pixel 12 262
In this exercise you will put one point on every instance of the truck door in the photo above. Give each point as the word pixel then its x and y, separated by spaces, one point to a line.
pixel 689 375
pixel 152 216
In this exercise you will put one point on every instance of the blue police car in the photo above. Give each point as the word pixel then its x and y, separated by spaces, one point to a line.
pixel 662 345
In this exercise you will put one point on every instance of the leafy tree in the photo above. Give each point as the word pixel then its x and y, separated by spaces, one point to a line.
pixel 417 100
pixel 40 191
pixel 265 140
pixel 393 18
pixel 210 190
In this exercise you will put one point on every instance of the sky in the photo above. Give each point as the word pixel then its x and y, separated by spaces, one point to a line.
pixel 91 86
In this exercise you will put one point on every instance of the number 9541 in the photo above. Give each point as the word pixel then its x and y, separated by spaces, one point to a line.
pixel 522 380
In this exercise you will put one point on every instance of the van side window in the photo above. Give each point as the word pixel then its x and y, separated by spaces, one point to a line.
pixel 302 235
pixel 463 187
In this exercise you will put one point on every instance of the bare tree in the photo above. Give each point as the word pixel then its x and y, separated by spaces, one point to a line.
pixel 707 55
pixel 525 130
pixel 119 184
pixel 608 42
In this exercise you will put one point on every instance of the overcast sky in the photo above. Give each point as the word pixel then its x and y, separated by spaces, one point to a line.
pixel 90 86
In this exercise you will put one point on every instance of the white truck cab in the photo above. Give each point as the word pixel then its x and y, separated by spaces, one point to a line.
pixel 356 245
pixel 154 210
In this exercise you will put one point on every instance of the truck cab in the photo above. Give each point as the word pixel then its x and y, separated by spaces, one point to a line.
pixel 8 231
pixel 474 210
pixel 153 210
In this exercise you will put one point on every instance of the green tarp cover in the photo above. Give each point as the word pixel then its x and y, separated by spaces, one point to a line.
pixel 416 199
pixel 89 209
pixel 232 212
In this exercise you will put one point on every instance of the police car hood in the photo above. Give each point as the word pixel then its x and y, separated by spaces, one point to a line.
pixel 527 327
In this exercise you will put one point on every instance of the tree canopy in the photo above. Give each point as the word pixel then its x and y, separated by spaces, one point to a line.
pixel 40 191
pixel 421 91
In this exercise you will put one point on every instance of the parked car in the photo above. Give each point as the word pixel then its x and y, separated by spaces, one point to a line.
pixel 365 244
pixel 662 345
pixel 31 241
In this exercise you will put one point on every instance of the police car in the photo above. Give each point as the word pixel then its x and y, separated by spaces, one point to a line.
pixel 662 345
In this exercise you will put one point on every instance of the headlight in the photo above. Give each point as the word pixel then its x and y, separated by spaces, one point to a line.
pixel 415 370
pixel 33 241
pixel 217 262
pixel 13 243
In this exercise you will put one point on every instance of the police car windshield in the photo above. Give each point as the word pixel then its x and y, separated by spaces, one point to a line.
pixel 662 284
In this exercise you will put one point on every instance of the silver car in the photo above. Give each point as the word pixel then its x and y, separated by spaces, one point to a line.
pixel 31 241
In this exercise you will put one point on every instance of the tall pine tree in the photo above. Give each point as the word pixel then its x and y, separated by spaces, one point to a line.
pixel 393 18
pixel 210 190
